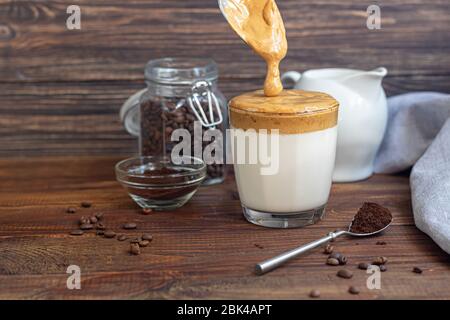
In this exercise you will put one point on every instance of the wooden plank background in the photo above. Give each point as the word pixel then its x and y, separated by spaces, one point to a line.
pixel 61 90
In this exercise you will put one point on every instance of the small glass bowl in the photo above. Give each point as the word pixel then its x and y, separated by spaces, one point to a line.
pixel 158 183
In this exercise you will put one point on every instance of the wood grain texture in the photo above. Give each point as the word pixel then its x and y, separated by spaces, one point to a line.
pixel 61 90
pixel 203 250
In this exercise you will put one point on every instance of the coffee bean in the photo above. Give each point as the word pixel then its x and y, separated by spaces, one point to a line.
pixel 417 270
pixel 332 262
pixel 328 249
pixel 100 232
pixel 144 243
pixel 84 220
pixel 100 226
pixel 99 215
pixel 363 266
pixel 93 219
pixel 169 131
pixel 76 232
pixel 235 195
pixel 335 255
pixel 381 243
pixel 340 257
pixel 259 246
pixel 353 290
pixel 383 268
pixel 146 211
pixel 134 249
pixel 135 240
pixel 86 226
pixel 71 210
pixel 344 273
pixel 179 119
pixel 129 226
pixel 147 236
pixel 379 261
pixel 314 293
pixel 86 204
pixel 122 237
pixel 110 234
pixel 342 260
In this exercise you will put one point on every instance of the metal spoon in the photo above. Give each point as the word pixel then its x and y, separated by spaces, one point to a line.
pixel 277 261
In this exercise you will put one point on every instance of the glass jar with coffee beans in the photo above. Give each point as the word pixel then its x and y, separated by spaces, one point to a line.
pixel 181 101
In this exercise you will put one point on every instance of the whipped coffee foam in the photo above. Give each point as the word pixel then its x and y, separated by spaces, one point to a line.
pixel 292 111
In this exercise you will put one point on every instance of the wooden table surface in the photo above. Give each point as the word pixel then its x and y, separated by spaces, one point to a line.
pixel 204 250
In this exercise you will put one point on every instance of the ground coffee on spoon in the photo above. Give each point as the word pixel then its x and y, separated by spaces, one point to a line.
pixel 371 217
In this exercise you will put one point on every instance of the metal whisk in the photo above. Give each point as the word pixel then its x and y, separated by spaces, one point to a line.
pixel 202 89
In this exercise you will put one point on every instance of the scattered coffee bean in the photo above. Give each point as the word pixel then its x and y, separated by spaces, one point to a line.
pixel 146 211
pixel 328 249
pixel 71 210
pixel 353 290
pixel 93 219
pixel 332 262
pixel 235 195
pixel 340 257
pixel 383 268
pixel 135 240
pixel 86 204
pixel 344 273
pixel 129 226
pixel 342 260
pixel 335 255
pixel 100 226
pixel 110 234
pixel 100 232
pixel 314 294
pixel 379 261
pixel 417 270
pixel 381 243
pixel 259 246
pixel 122 237
pixel 84 220
pixel 363 266
pixel 86 226
pixel 76 232
pixel 134 249
pixel 99 215
pixel 144 243
pixel 147 236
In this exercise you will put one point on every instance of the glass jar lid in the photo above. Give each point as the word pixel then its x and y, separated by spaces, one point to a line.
pixel 180 71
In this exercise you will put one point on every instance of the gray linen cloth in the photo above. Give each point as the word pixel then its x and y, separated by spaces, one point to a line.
pixel 418 136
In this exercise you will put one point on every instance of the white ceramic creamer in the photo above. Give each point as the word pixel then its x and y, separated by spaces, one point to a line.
pixel 362 115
